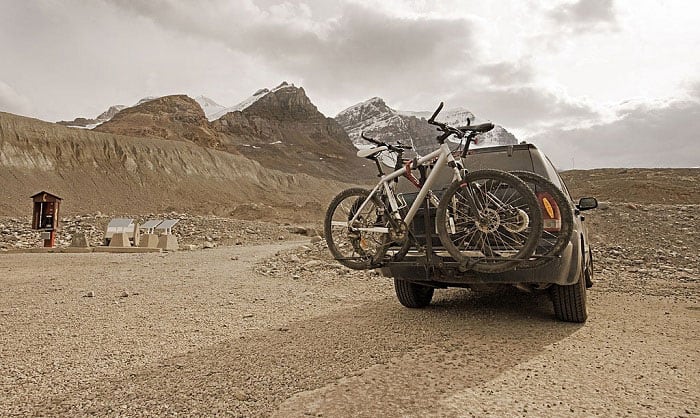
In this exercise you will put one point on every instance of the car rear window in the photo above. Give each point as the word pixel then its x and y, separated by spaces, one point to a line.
pixel 499 160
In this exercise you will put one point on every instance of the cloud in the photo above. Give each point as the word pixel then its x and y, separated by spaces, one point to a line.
pixel 585 15
pixel 506 72
pixel 13 102
pixel 527 107
pixel 643 136
pixel 349 52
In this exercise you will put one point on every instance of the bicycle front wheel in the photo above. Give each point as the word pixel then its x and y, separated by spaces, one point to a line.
pixel 490 221
pixel 357 245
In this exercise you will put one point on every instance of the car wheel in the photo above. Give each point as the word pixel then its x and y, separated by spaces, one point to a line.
pixel 570 301
pixel 413 295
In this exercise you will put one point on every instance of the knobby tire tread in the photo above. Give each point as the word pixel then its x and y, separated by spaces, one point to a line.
pixel 327 229
pixel 565 210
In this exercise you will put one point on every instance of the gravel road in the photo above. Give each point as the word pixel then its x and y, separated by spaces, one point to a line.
pixel 280 330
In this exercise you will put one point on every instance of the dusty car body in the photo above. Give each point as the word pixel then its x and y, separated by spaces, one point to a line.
pixel 434 268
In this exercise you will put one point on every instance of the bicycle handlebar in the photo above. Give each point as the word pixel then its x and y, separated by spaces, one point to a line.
pixel 459 132
pixel 398 148
pixel 432 118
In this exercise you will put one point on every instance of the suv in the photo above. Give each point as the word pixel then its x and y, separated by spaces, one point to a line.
pixel 566 276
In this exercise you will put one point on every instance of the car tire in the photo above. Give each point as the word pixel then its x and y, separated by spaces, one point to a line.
pixel 413 295
pixel 570 301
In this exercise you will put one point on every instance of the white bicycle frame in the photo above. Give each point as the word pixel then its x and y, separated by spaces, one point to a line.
pixel 445 157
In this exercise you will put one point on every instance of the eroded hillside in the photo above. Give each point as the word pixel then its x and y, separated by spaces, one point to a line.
pixel 110 173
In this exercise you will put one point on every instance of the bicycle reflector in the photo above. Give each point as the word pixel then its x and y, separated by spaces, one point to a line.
pixel 550 212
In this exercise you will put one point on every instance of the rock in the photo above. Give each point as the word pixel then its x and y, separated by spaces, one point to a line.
pixel 310 265
pixel 296 230
pixel 247 315
pixel 208 245
pixel 312 232
pixel 239 395
pixel 90 294
pixel 315 239
pixel 234 258
pixel 124 294
pixel 295 277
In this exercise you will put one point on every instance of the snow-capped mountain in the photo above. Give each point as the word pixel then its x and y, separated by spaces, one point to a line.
pixel 212 110
pixel 209 106
pixel 245 103
pixel 376 119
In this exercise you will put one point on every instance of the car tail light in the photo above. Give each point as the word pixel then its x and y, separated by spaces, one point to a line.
pixel 550 212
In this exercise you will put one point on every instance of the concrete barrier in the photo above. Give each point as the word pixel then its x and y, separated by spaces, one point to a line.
pixel 79 241
pixel 168 242
pixel 120 239
pixel 149 241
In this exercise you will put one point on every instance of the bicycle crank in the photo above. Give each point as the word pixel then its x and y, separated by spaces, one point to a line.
pixel 398 230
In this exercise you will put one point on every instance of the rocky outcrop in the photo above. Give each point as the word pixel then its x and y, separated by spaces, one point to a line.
pixel 176 117
pixel 283 129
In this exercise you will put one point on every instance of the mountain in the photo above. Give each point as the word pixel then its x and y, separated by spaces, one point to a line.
pixel 177 117
pixel 377 119
pixel 91 123
pixel 116 174
pixel 242 105
pixel 103 117
pixel 209 106
pixel 281 128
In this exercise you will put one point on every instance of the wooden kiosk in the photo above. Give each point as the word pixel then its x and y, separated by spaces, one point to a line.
pixel 45 216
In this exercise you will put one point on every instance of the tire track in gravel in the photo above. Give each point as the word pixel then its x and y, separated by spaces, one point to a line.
pixel 636 356
pixel 481 337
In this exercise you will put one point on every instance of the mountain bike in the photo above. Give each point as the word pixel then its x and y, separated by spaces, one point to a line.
pixel 487 220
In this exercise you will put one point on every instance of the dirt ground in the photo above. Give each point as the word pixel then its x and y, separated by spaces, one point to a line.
pixel 274 327
pixel 278 329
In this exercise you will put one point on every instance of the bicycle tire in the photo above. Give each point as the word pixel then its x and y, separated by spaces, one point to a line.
pixel 358 250
pixel 552 243
pixel 509 231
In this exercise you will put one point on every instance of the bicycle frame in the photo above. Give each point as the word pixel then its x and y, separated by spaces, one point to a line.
pixel 444 158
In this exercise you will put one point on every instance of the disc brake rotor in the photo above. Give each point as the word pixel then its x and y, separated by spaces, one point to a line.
pixel 489 222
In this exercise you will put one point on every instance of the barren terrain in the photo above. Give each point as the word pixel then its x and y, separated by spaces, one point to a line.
pixel 273 327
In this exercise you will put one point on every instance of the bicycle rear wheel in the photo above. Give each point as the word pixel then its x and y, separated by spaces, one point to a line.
pixel 557 215
pixel 490 221
pixel 352 245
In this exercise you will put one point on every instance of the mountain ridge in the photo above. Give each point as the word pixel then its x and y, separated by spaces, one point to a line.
pixel 97 171
pixel 377 119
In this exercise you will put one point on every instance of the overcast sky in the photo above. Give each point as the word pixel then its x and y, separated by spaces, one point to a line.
pixel 594 82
